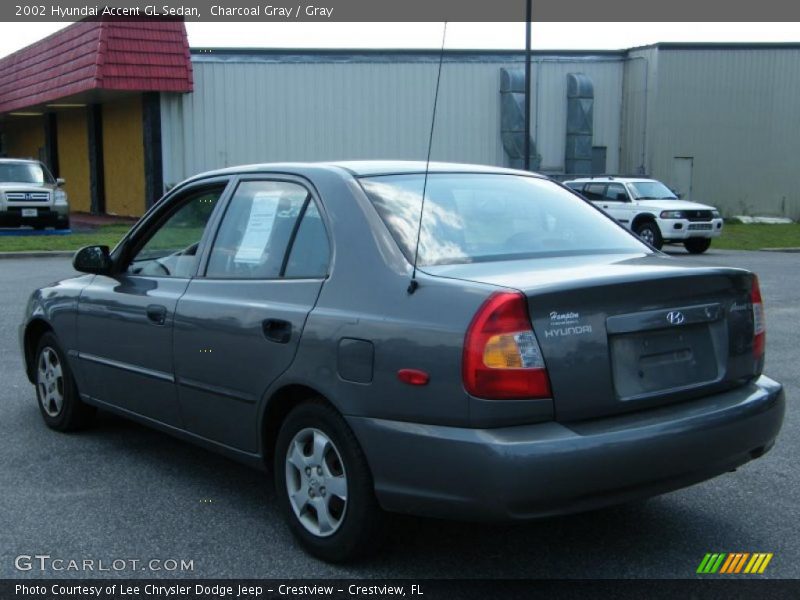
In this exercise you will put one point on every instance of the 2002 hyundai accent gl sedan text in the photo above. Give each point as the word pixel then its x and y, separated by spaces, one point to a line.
pixel 547 362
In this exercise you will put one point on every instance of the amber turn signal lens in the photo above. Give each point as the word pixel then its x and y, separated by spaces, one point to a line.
pixel 501 352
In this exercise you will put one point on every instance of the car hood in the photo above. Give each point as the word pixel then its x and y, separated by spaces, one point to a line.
pixel 25 187
pixel 675 205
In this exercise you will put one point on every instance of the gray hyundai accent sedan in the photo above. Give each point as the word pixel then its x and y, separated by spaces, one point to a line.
pixel 544 360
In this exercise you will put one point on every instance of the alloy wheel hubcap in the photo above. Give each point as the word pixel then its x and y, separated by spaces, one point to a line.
pixel 50 382
pixel 316 482
pixel 647 236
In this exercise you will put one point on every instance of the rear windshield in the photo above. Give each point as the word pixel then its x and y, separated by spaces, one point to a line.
pixel 490 217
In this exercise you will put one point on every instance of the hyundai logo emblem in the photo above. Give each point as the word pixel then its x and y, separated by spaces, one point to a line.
pixel 28 196
pixel 675 317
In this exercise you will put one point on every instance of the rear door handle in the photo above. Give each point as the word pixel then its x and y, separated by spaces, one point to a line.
pixel 277 330
pixel 157 314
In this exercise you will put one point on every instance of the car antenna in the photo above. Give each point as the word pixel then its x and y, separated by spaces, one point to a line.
pixel 414 284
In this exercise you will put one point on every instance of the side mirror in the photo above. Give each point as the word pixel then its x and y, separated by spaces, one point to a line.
pixel 92 259
pixel 60 181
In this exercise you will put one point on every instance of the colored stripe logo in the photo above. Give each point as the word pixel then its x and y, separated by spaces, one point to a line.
pixel 734 562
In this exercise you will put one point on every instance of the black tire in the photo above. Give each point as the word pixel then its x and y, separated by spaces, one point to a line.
pixel 649 232
pixel 697 245
pixel 39 227
pixel 62 225
pixel 361 527
pixel 73 413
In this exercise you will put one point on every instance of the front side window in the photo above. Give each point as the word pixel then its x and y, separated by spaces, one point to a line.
pixel 486 217
pixel 171 250
pixel 264 220
pixel 616 192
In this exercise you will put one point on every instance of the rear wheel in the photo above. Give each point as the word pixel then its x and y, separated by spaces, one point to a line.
pixel 650 233
pixel 697 245
pixel 59 401
pixel 62 224
pixel 324 484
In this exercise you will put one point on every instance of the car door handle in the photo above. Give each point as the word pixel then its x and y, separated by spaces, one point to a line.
pixel 157 314
pixel 277 330
pixel 605 205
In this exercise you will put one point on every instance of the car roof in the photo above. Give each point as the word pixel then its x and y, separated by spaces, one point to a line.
pixel 609 179
pixel 369 168
pixel 364 168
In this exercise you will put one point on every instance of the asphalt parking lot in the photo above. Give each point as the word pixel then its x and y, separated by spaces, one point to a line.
pixel 121 491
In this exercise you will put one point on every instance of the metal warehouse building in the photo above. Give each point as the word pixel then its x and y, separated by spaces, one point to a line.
pixel 123 110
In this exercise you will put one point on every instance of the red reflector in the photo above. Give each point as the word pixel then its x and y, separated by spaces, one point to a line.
pixel 413 376
pixel 509 384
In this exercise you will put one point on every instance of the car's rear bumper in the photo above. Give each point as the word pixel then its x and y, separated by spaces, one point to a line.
pixel 551 468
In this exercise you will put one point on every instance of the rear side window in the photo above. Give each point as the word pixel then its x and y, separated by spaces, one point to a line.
pixel 594 191
pixel 485 217
pixel 270 229
pixel 310 251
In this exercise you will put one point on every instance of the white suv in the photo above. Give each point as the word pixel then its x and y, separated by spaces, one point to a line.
pixel 652 211
pixel 29 195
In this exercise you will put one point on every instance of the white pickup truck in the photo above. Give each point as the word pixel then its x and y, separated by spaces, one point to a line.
pixel 652 211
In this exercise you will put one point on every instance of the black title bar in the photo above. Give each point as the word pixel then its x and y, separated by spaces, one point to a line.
pixel 406 10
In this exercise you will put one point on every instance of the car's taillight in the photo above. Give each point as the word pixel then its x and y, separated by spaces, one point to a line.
pixel 502 359
pixel 759 323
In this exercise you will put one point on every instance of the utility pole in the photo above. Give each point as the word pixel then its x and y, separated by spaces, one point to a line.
pixel 527 146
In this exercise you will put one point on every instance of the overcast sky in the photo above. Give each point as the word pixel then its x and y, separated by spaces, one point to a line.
pixel 579 36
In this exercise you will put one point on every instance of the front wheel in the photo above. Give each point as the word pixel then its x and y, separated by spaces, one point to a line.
pixel 324 484
pixel 650 233
pixel 59 401
pixel 697 245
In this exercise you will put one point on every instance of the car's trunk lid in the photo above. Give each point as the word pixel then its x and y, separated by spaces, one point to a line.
pixel 621 333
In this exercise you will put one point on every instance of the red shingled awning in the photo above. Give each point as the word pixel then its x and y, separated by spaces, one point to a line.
pixel 108 54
